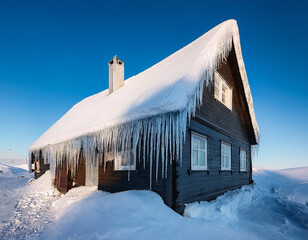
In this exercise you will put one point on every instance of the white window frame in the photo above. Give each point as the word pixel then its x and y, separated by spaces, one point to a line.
pixel 219 84
pixel 222 154
pixel 202 138
pixel 118 161
pixel 243 160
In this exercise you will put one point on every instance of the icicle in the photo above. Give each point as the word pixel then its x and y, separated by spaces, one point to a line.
pixel 163 133
pixel 173 136
pixel 145 137
pixel 170 140
pixel 151 153
pixel 158 129
pixel 139 148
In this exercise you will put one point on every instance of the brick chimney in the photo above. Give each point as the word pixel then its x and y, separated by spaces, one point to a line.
pixel 116 74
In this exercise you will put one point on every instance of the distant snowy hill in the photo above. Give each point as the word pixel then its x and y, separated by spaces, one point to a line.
pixel 273 208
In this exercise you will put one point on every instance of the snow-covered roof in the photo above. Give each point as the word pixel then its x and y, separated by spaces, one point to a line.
pixel 168 86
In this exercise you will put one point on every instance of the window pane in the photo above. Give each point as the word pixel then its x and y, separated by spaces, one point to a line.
pixel 217 81
pixel 223 162
pixel 223 94
pixel 225 156
pixel 227 161
pixel 195 158
pixel 228 150
pixel 202 145
pixel 217 91
pixel 198 152
pixel 126 159
pixel 243 160
pixel 195 143
pixel 243 165
pixel 223 98
pixel 201 157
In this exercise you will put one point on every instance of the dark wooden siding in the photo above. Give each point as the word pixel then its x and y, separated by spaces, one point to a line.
pixel 63 179
pixel 207 185
pixel 218 123
pixel 116 181
pixel 42 166
pixel 80 178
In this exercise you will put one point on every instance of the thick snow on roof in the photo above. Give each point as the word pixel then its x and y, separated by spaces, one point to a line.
pixel 167 86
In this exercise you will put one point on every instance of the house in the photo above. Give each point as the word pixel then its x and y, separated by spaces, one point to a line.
pixel 184 128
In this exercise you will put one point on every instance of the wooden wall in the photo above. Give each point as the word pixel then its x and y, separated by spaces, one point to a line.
pixel 116 181
pixel 218 123
pixel 43 167
pixel 64 180
pixel 80 178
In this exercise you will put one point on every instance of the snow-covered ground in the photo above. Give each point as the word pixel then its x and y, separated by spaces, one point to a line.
pixel 270 209
pixel 275 208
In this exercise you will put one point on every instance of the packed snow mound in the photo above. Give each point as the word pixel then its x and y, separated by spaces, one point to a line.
pixel 172 85
pixel 72 196
pixel 44 184
pixel 254 214
pixel 291 184
pixel 128 215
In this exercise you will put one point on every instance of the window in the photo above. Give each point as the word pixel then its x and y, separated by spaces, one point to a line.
pixel 225 156
pixel 243 160
pixel 222 91
pixel 125 160
pixel 198 152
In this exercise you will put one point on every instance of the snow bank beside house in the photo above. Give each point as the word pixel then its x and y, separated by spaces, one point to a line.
pixel 129 215
pixel 30 211
pixel 254 214
pixel 275 207
pixel 43 185
pixel 72 196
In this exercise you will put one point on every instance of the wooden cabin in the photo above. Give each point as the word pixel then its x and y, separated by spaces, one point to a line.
pixel 195 154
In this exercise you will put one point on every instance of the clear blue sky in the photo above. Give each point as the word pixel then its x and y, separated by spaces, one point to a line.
pixel 55 53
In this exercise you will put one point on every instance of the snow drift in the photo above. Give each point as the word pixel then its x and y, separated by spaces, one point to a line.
pixel 252 212
pixel 127 215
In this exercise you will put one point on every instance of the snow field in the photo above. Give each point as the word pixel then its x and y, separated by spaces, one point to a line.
pixel 269 209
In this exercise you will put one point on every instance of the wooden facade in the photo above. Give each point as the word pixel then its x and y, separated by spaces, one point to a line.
pixel 38 165
pixel 217 123
pixel 183 185
pixel 64 180
pixel 214 121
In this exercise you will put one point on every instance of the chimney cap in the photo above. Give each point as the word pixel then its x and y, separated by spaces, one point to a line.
pixel 115 59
